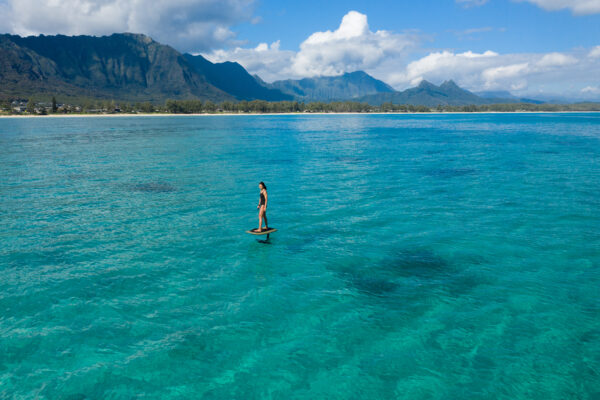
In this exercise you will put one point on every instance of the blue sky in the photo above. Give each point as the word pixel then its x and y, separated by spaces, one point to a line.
pixel 542 48
pixel 516 26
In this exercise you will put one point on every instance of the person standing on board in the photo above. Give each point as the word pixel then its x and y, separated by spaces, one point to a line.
pixel 262 206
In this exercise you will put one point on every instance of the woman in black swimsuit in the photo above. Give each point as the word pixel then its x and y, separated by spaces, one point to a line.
pixel 262 206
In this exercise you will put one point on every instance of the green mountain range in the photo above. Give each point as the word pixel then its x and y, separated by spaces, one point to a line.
pixel 428 94
pixel 121 66
pixel 232 78
pixel 133 67
pixel 349 86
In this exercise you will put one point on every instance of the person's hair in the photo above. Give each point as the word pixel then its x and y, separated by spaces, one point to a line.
pixel 263 185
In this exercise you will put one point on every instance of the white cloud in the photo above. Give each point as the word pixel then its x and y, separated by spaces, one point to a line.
pixel 595 52
pixel 268 61
pixel 591 90
pixel 441 66
pixel 203 25
pixel 185 24
pixel 503 72
pixel 577 7
pixel 520 72
pixel 590 93
pixel 555 60
pixel 353 46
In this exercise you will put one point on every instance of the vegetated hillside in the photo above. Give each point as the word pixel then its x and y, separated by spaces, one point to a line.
pixel 122 66
pixel 428 94
pixel 232 78
pixel 133 67
pixel 504 96
pixel 349 86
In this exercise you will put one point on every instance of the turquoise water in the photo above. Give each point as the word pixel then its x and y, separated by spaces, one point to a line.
pixel 417 257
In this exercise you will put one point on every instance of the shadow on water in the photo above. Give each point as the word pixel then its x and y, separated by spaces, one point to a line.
pixel 76 396
pixel 422 264
pixel 152 187
pixel 388 276
pixel 372 286
pixel 409 274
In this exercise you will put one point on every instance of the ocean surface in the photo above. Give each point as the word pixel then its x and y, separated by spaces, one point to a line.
pixel 417 257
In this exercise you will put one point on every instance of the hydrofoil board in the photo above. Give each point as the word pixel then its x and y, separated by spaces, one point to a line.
pixel 263 232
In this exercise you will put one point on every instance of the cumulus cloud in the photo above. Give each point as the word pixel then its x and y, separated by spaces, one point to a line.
pixel 555 60
pixel 591 89
pixel 504 72
pixel 383 54
pixel 435 65
pixel 577 7
pixel 590 93
pixel 268 61
pixel 352 46
pixel 520 72
pixel 595 52
pixel 186 24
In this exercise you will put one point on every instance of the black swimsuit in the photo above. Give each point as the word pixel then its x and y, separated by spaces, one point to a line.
pixel 262 200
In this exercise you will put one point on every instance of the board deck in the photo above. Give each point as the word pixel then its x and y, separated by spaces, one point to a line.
pixel 254 232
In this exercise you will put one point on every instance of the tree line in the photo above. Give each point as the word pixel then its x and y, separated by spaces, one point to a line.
pixel 261 106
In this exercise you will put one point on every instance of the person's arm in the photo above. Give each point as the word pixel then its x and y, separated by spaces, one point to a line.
pixel 266 199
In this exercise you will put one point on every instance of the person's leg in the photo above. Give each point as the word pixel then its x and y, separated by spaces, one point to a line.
pixel 265 217
pixel 260 214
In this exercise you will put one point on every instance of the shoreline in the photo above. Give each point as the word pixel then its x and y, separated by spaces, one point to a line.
pixel 287 114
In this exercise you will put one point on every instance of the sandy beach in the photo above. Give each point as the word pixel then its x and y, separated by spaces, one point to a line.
pixel 274 114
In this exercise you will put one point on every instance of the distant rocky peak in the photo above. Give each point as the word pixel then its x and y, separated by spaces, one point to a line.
pixel 426 84
pixel 449 84
pixel 357 74
pixel 259 79
pixel 140 37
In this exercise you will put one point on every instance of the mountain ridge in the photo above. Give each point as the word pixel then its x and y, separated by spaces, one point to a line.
pixel 348 86
pixel 428 94
pixel 124 65
pixel 134 67
pixel 232 78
